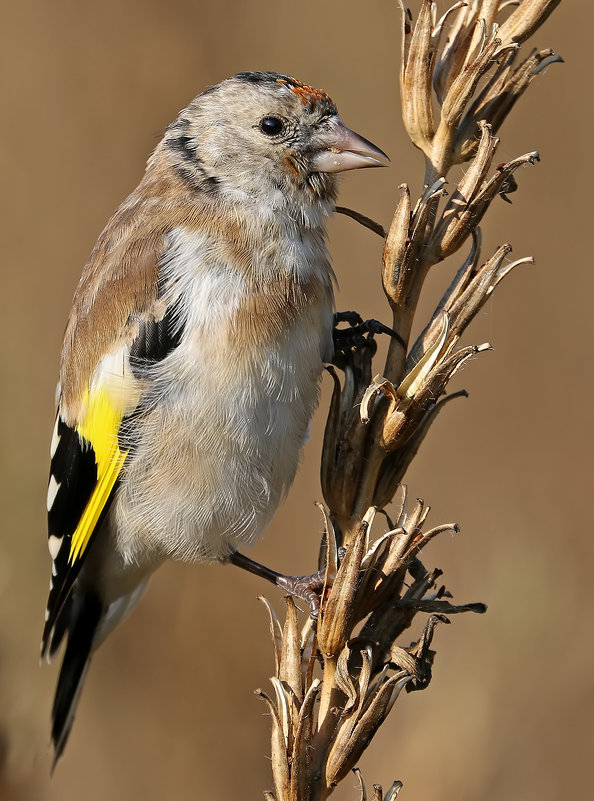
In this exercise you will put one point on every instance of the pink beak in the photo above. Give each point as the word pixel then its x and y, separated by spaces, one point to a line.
pixel 342 149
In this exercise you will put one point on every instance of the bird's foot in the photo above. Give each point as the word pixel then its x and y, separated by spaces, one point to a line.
pixel 308 588
pixel 360 334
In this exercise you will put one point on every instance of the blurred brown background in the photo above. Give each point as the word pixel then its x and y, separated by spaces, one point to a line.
pixel 168 710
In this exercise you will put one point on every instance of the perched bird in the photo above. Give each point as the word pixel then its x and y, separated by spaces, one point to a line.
pixel 192 354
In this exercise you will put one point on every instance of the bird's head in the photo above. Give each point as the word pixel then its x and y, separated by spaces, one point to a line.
pixel 265 138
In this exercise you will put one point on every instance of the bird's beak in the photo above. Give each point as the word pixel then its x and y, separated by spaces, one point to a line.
pixel 341 149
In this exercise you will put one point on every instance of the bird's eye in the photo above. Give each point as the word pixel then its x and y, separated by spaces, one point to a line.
pixel 271 126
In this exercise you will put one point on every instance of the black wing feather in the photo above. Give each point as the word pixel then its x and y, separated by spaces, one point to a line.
pixel 156 339
pixel 74 469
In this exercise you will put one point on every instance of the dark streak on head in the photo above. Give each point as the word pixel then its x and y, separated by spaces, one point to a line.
pixel 186 161
pixel 259 77
pixel 181 145
pixel 307 94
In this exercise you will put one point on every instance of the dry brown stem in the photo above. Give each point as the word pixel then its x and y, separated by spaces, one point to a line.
pixel 337 678
pixel 376 592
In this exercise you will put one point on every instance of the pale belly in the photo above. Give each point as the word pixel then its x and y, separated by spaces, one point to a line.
pixel 220 449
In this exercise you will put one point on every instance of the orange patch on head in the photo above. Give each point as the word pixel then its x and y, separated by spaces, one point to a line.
pixel 307 94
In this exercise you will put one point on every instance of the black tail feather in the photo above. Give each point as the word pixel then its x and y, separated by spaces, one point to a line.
pixel 60 629
pixel 85 615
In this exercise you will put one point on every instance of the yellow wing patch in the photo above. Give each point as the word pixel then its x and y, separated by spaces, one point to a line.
pixel 99 427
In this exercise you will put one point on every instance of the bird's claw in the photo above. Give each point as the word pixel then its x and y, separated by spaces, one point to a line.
pixel 360 334
pixel 358 327
pixel 308 588
pixel 350 317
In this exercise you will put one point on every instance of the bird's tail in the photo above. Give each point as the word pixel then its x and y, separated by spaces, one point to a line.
pixel 84 616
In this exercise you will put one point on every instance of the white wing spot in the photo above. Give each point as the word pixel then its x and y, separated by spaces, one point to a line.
pixel 52 491
pixel 114 375
pixel 54 543
pixel 55 440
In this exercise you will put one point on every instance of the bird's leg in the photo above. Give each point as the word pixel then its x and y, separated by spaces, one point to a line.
pixel 307 588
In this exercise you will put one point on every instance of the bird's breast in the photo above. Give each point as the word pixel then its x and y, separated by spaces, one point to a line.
pixel 256 320
pixel 230 406
pixel 250 294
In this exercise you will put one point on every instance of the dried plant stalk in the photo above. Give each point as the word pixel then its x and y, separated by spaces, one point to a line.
pixel 377 590
pixel 338 677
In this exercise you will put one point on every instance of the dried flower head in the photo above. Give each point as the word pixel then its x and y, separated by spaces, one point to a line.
pixel 473 77
pixel 375 426
pixel 336 682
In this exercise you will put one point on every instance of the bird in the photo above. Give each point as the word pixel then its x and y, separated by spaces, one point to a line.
pixel 192 356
